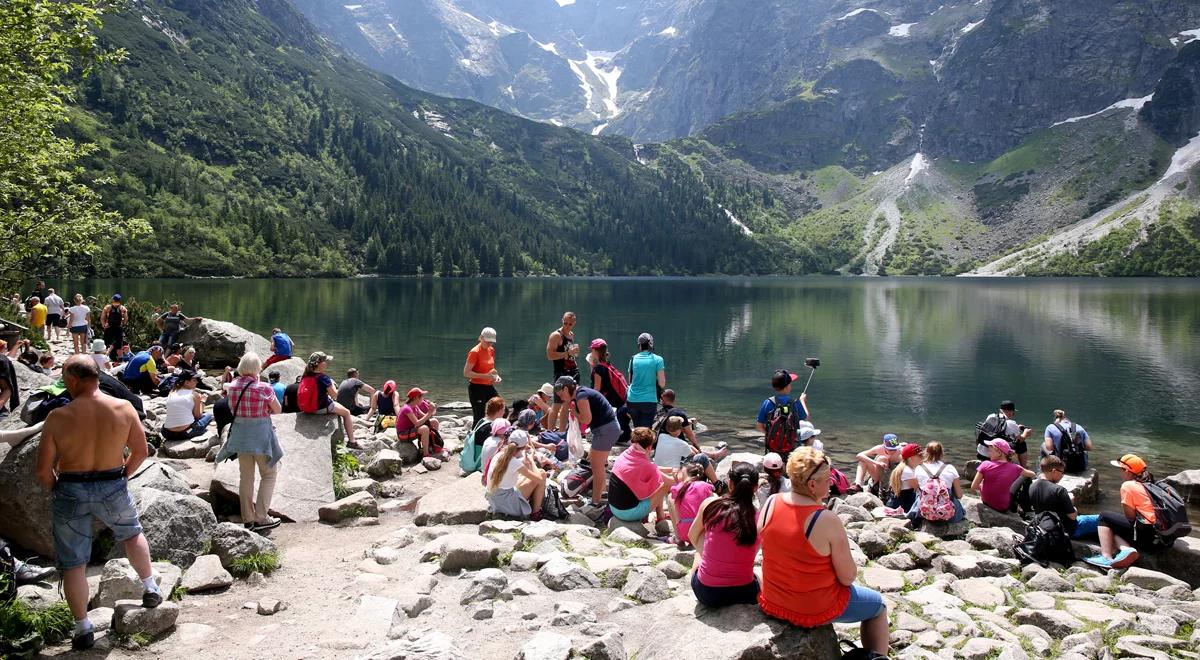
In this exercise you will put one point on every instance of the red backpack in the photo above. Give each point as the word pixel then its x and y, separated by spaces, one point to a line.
pixel 781 427
pixel 308 395
pixel 618 385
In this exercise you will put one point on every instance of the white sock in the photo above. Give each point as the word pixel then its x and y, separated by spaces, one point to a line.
pixel 83 625
pixel 150 584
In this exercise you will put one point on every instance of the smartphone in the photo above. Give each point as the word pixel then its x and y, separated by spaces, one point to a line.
pixel 812 363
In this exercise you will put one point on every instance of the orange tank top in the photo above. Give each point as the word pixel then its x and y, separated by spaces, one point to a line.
pixel 799 585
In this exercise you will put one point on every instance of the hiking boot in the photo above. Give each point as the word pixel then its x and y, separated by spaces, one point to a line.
pixel 151 599
pixel 29 574
pixel 1125 558
pixel 84 640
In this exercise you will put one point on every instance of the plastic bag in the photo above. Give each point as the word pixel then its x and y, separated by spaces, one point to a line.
pixel 574 439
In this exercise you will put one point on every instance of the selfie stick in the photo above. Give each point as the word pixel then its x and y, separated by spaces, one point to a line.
pixel 810 376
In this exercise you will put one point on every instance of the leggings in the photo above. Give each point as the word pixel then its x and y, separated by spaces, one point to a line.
pixel 1139 534
pixel 746 594
pixel 478 395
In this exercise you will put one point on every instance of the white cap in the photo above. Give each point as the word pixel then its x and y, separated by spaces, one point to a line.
pixel 519 437
pixel 772 461
pixel 488 334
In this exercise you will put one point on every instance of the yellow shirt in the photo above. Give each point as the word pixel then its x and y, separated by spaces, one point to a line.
pixel 37 315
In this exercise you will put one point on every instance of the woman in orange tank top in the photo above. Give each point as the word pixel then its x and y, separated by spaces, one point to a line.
pixel 808 573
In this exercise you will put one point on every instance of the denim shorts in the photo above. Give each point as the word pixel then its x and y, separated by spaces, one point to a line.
pixel 636 514
pixel 865 604
pixel 73 507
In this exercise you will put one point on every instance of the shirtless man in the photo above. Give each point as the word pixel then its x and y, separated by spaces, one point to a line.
pixel 562 351
pixel 82 460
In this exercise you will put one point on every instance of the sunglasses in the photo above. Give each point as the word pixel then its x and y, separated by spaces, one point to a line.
pixel 823 463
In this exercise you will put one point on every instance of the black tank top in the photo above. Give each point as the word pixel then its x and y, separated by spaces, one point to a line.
pixel 567 365
pixel 114 316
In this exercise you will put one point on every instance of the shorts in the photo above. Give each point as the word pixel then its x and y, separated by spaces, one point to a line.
pixel 1085 526
pixel 79 329
pixel 1020 447
pixel 865 604
pixel 700 459
pixel 746 594
pixel 73 507
pixel 636 514
pixel 411 434
pixel 604 438
pixel 1138 534
pixel 53 320
pixel 508 502
pixel 327 410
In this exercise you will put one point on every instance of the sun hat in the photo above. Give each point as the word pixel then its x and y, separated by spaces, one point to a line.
pixel 890 441
pixel 526 419
pixel 910 450
pixel 598 343
pixel 98 346
pixel 546 390
pixel 488 334
pixel 772 461
pixel 416 392
pixel 808 433
pixel 500 427
pixel 1131 462
pixel 1001 444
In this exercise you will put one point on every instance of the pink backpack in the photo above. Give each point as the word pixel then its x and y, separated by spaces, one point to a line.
pixel 936 503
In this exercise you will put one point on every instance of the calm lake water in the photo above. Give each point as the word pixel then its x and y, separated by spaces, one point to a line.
pixel 924 358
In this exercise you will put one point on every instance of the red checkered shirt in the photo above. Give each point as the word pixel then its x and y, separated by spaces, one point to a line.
pixel 256 402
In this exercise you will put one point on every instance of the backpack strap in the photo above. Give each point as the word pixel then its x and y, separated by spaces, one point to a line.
pixel 768 507
pixel 926 468
pixel 939 472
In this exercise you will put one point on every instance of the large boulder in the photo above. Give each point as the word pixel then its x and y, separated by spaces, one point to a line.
pixel 222 343
pixel 177 527
pixel 726 464
pixel 24 504
pixel 231 541
pixel 458 503
pixel 305 480
pixel 1084 487
pixel 678 627
pixel 982 515
pixel 1187 483
pixel 290 370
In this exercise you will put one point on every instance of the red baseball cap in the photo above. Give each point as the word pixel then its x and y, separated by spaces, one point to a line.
pixel 597 343
pixel 910 450
pixel 416 392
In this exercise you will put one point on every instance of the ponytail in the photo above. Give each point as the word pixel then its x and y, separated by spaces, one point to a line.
pixel 500 465
pixel 692 472
pixel 734 512
pixel 895 480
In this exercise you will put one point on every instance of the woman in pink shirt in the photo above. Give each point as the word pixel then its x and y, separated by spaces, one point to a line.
pixel 686 498
pixel 998 478
pixel 726 541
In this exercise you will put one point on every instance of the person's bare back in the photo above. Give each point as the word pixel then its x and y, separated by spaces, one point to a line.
pixel 90 433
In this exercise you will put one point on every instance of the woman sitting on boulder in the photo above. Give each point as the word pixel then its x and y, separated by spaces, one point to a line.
pixel 999 481
pixel 252 439
pixel 185 416
pixel 934 468
pixel 415 421
pixel 638 485
pixel 726 541
pixel 808 573
pixel 384 404
pixel 515 484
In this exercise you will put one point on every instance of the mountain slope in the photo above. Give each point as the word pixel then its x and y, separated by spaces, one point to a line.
pixel 254 148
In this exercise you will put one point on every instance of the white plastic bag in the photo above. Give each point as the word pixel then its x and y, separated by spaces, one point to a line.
pixel 574 439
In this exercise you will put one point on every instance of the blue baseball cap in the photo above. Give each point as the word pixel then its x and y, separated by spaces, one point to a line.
pixel 117 297
pixel 891 441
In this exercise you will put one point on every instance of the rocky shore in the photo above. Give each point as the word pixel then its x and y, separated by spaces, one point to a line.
pixel 387 556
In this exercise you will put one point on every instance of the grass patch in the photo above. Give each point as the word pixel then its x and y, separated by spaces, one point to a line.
pixel 178 594
pixel 344 465
pixel 504 559
pixel 628 544
pixel 18 620
pixel 260 562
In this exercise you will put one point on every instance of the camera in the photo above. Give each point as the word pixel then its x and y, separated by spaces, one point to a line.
pixel 812 363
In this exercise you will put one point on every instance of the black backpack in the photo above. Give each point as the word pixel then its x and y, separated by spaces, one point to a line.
pixel 1071 449
pixel 1170 513
pixel 552 506
pixel 1045 541
pixel 992 427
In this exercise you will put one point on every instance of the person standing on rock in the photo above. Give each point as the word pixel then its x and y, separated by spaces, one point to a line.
pixel 563 353
pixel 185 416
pixel 252 439
pixel 82 461
pixel 38 314
pixel 282 347
pixel 55 307
pixel 594 412
pixel 171 323
pixel 647 377
pixel 79 321
pixel 1068 441
pixel 480 372
pixel 113 319
pixel 1015 434
pixel 807 570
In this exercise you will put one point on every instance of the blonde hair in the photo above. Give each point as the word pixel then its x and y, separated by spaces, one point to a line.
pixel 802 465
pixel 895 481
pixel 250 364
pixel 500 465
pixel 1059 414
pixel 933 452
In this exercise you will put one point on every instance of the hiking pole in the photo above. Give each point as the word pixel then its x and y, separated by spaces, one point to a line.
pixel 811 363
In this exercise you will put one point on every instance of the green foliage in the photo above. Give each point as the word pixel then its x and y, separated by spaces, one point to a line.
pixel 258 562
pixel 178 593
pixel 49 209
pixel 141 330
pixel 344 464
pixel 18 620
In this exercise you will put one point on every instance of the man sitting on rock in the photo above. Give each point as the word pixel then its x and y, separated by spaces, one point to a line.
pixel 347 393
pixel 140 375
pixel 81 459
pixel 282 347
pixel 1046 494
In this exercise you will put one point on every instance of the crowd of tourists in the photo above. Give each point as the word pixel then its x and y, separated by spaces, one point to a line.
pixel 552 449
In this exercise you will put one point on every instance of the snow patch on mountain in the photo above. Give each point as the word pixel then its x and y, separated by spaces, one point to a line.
pixel 598 77
pixel 1192 35
pixel 578 70
pixel 564 3
pixel 919 164
pixel 901 30
pixel 546 47
pixel 1134 104
pixel 1184 159
pixel 352 7
pixel 861 10
pixel 970 27
pixel 597 129
pixel 669 32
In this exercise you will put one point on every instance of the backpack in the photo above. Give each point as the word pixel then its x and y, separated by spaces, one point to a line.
pixel 618 386
pixel 935 502
pixel 552 505
pixel 781 428
pixel 308 395
pixel 992 427
pixel 838 483
pixel 1170 513
pixel 577 481
pixel 1071 449
pixel 1045 541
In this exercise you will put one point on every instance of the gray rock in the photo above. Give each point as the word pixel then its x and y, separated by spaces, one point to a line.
pixel 459 551
pixel 610 570
pixel 269 606
pixel 882 579
pixel 673 570
pixel 220 343
pixel 1084 488
pixel 231 541
pixel 431 463
pixel 523 561
pixel 934 595
pixel 409 605
pixel 626 533
pixel 1156 624
pixel 979 592
pixel 429 646
pixel 605 647
pixel 921 555
pixel 1187 483
pixel 386 465
pixel 206 574
pixel 982 515
pixel 101 618
pixel 546 646
pixel 459 503
pixel 993 538
pixel 864 500
pixel 194 448
pixel 1048 579
pixel 1148 579
pixel 1055 622
pixel 409 452
pixel 947 530
pixel 561 575
pixel 120 581
pixel 385 555
pixel 898 561
pixel 906 621
pixel 177 527
pixel 873 544
pixel 483 611
pixel 572 613
pixel 968 566
pixel 358 505
pixel 487 584
pixel 1039 639
pixel 524 588
pixel 502 526
pixel 305 479
pixel 39 595
pixel 130 618
pixel 646 585
pixel 360 485
pixel 980 648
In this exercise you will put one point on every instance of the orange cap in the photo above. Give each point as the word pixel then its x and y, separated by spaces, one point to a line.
pixel 1131 462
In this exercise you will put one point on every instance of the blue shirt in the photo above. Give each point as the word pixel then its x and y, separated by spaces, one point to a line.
pixel 279 388
pixel 1054 434
pixel 602 411
pixel 133 370
pixel 283 344
pixel 768 407
pixel 643 386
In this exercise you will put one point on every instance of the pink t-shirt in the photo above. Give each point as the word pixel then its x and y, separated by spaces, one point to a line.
pixel 998 478
pixel 689 505
pixel 403 423
pixel 724 563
